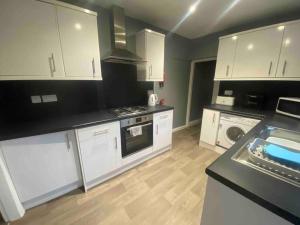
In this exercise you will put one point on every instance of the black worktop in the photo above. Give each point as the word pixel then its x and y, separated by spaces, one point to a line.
pixel 242 111
pixel 18 129
pixel 273 194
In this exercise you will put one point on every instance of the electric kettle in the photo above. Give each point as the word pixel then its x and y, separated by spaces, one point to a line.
pixel 152 100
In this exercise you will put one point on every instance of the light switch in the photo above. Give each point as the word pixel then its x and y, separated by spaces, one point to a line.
pixel 49 98
pixel 36 99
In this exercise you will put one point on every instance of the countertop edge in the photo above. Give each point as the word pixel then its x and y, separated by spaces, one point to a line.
pixel 252 197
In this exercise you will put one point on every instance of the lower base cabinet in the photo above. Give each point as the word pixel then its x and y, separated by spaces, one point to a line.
pixel 162 130
pixel 209 126
pixel 42 167
pixel 100 151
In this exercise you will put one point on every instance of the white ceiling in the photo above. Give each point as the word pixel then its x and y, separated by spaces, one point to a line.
pixel 210 16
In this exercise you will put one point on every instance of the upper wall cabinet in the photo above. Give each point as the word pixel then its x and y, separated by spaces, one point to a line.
pixel 268 53
pixel 257 53
pixel 29 41
pixel 45 40
pixel 226 53
pixel 79 42
pixel 288 66
pixel 150 46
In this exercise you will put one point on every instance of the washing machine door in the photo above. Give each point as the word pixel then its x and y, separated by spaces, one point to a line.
pixel 234 133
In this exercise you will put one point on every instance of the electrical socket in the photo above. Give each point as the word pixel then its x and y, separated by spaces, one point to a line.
pixel 35 99
pixel 49 98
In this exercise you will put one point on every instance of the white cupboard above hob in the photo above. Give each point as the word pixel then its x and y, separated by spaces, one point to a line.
pixel 150 46
pixel 48 40
pixel 267 53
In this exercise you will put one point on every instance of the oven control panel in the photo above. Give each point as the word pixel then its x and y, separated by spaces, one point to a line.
pixel 136 120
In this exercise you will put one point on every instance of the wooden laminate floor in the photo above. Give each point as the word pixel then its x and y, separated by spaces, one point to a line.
pixel 168 189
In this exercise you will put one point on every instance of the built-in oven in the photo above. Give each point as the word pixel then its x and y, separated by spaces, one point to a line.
pixel 142 138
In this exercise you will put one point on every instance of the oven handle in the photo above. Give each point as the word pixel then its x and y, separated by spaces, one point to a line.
pixel 144 125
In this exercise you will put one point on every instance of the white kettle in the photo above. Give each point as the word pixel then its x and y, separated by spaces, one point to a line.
pixel 152 100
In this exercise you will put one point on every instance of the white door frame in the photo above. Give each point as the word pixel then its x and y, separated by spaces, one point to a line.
pixel 191 80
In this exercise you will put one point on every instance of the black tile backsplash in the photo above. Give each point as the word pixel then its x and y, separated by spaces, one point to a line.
pixel 118 88
pixel 271 90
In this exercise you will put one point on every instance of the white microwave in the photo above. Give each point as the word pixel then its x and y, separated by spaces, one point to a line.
pixel 289 107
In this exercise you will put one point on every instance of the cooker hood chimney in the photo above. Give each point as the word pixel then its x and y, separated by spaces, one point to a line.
pixel 119 53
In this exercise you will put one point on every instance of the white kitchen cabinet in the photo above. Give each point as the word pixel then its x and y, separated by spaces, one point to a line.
pixel 79 43
pixel 29 41
pixel 150 46
pixel 162 130
pixel 225 59
pixel 209 126
pixel 257 53
pixel 100 151
pixel 288 65
pixel 43 167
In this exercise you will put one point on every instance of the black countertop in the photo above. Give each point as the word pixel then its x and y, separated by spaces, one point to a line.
pixel 236 110
pixel 273 194
pixel 12 130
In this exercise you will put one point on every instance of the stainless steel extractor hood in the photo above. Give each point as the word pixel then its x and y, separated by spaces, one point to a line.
pixel 119 53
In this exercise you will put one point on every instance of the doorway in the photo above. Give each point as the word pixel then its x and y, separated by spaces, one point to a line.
pixel 202 89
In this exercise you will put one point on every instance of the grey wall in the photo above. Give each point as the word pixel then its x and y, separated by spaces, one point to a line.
pixel 207 46
pixel 177 54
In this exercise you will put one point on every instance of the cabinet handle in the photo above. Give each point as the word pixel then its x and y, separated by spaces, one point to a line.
pixel 227 70
pixel 53 61
pixel 101 132
pixel 270 68
pixel 284 66
pixel 93 66
pixel 149 71
pixel 68 142
pixel 50 65
pixel 214 118
pixel 116 143
pixel 156 129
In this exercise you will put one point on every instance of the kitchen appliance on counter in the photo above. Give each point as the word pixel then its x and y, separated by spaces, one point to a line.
pixel 225 100
pixel 254 101
pixel 152 100
pixel 232 128
pixel 133 142
pixel 289 107
pixel 127 111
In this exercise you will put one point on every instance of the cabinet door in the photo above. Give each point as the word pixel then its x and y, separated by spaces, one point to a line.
pixel 225 60
pixel 162 130
pixel 257 54
pixel 155 48
pixel 80 44
pixel 209 126
pixel 41 164
pixel 290 52
pixel 100 150
pixel 29 40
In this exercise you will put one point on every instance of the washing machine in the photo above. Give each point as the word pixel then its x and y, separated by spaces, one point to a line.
pixel 232 128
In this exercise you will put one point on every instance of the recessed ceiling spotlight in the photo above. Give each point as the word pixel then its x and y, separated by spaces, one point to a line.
pixel 234 38
pixel 280 27
pixel 192 8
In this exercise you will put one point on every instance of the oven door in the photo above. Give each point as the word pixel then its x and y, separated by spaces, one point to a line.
pixel 132 144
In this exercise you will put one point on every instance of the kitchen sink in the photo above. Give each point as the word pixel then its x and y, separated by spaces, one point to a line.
pixel 274 151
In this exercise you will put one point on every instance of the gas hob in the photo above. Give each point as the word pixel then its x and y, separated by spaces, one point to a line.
pixel 127 111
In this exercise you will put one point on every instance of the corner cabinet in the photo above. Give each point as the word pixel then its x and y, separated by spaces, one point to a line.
pixel 100 151
pixel 43 167
pixel 209 126
pixel 226 54
pixel 48 40
pixel 150 46
pixel 162 130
